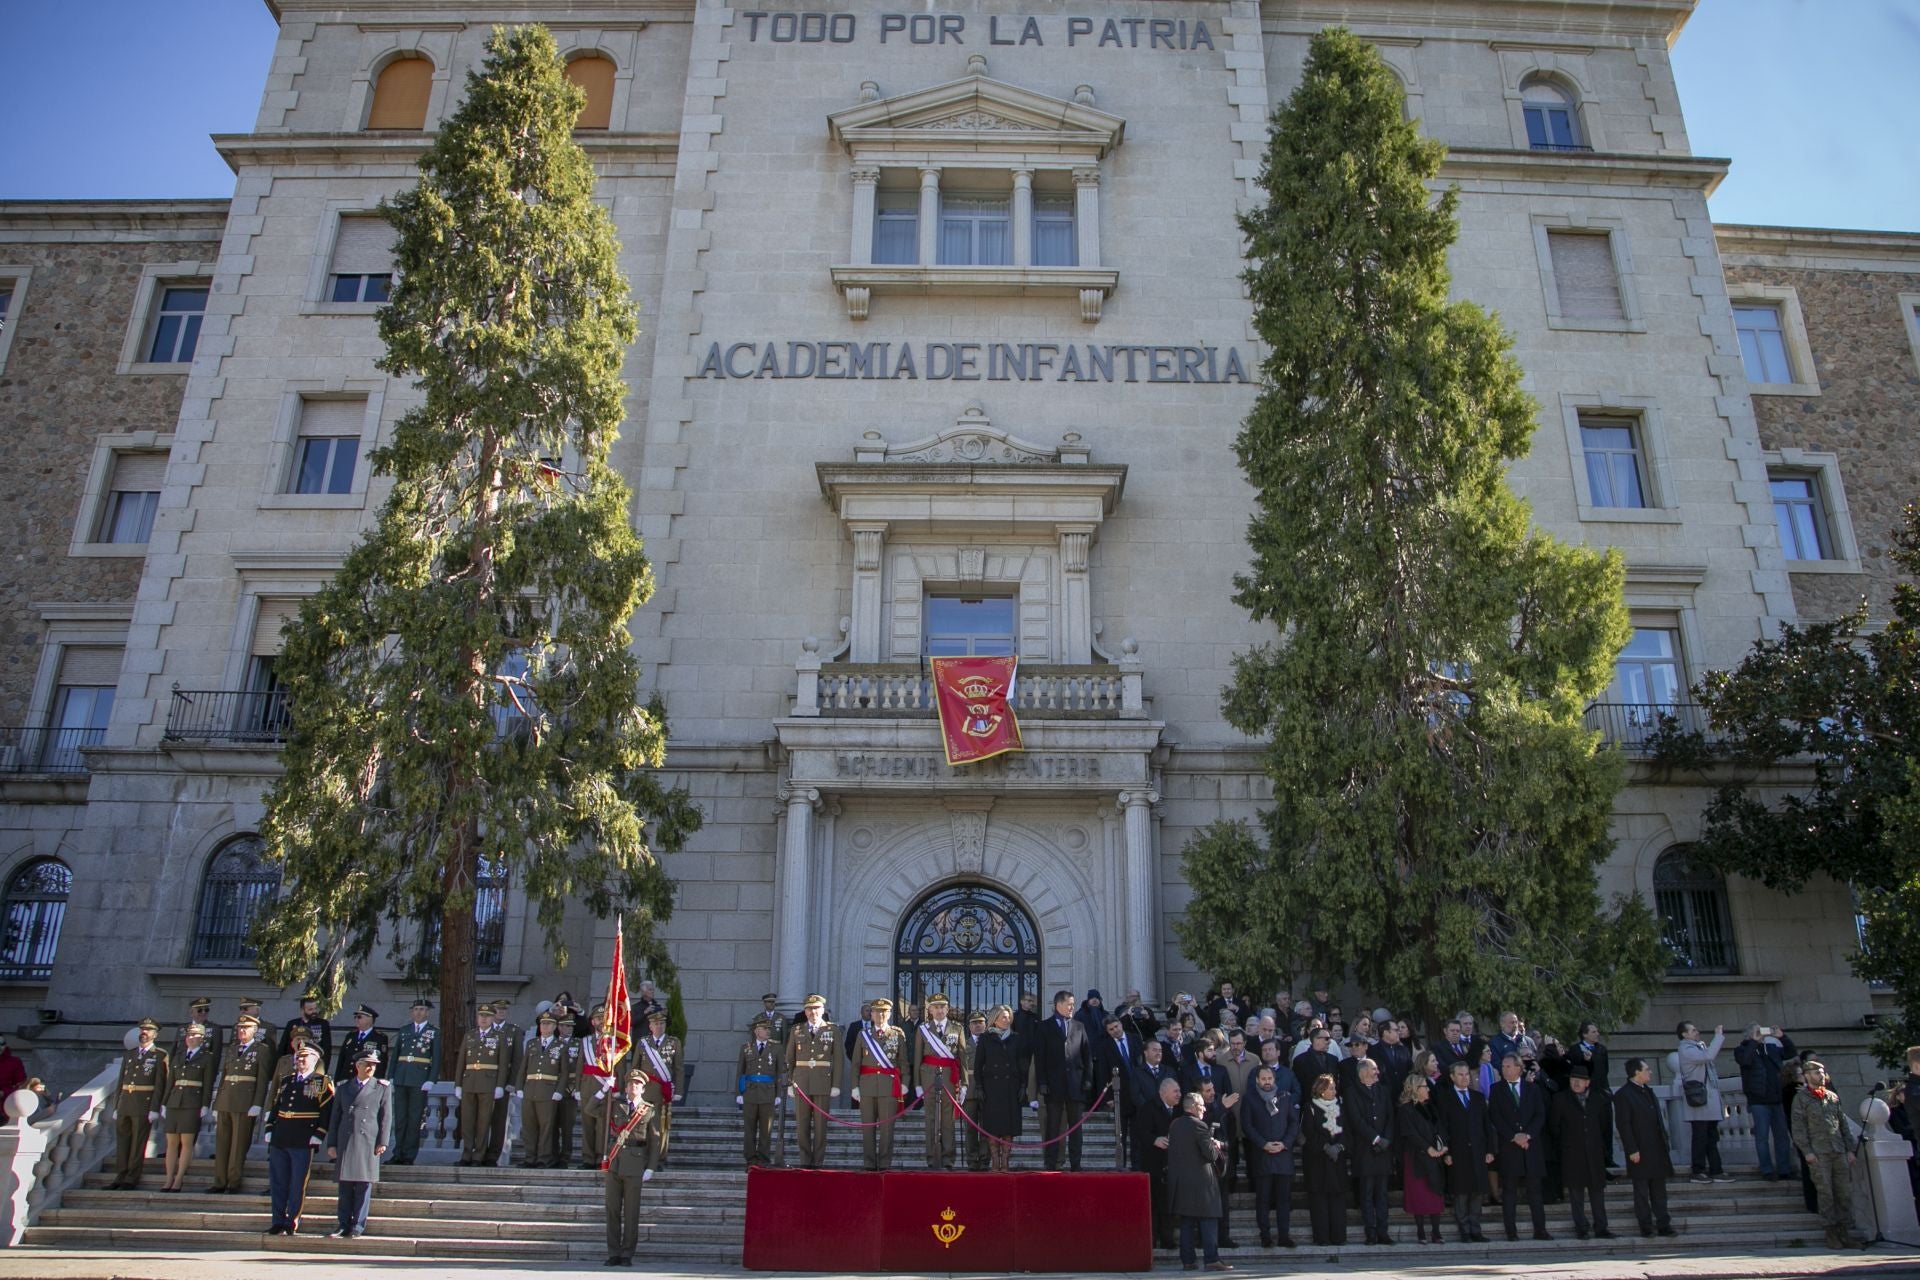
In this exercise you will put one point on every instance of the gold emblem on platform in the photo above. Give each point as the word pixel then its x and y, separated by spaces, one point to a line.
pixel 946 1231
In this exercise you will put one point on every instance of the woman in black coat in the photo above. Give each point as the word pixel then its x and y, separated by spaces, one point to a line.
pixel 1268 1119
pixel 999 1077
pixel 1329 1168
pixel 1193 1183
pixel 1423 1179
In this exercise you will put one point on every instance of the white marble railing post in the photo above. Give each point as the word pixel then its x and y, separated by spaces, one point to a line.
pixel 1885 1154
pixel 795 961
pixel 1143 902
pixel 22 1146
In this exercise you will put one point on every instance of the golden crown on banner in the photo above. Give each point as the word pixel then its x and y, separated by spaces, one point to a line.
pixel 946 1231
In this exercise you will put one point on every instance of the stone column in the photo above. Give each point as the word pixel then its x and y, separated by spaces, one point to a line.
pixel 929 215
pixel 795 957
pixel 1076 647
pixel 1143 897
pixel 866 184
pixel 1086 215
pixel 869 540
pixel 1023 217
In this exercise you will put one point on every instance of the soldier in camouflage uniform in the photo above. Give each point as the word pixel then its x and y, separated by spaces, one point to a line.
pixel 541 1080
pixel 758 1081
pixel 1819 1128
pixel 246 1079
pixel 481 1085
pixel 144 1077
pixel 416 1065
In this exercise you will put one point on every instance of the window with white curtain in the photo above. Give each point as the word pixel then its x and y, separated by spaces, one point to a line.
pixel 976 230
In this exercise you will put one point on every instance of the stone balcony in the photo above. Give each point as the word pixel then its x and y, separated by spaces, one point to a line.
pixel 903 691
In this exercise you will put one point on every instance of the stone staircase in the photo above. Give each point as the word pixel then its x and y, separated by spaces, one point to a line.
pixel 695 1212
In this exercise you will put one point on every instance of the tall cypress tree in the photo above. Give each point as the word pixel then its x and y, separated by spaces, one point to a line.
pixel 1439 810
pixel 463 690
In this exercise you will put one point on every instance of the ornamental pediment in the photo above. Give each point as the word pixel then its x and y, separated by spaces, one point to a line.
pixel 949 113
pixel 972 439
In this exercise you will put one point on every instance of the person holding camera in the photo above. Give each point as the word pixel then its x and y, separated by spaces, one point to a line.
pixel 1692 1063
pixel 1193 1183
pixel 1761 1055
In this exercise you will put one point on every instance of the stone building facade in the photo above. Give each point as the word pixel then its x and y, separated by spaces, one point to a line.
pixel 834 220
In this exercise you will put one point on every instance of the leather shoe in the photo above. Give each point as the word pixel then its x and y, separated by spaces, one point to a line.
pixel 1666 1231
pixel 1480 1237
pixel 276 1231
pixel 1228 1244
pixel 611 1262
pixel 1604 1234
pixel 1189 1266
pixel 1581 1234
pixel 1513 1235
pixel 1219 1266
pixel 1543 1235
pixel 1287 1242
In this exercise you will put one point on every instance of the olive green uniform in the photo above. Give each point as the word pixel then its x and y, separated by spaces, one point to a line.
pixel 759 1080
pixel 625 1176
pixel 659 1058
pixel 595 1092
pixel 874 1076
pixel 813 1067
pixel 976 1144
pixel 246 1081
pixel 144 1077
pixel 1820 1132
pixel 513 1044
pixel 940 1089
pixel 485 1065
pixel 189 1088
pixel 542 1083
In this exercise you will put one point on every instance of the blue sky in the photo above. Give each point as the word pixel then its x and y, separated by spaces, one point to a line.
pixel 1811 99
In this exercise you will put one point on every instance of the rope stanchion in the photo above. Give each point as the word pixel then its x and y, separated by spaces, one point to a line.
pixel 850 1124
pixel 1064 1134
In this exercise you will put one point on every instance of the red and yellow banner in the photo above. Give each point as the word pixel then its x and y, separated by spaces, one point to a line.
pixel 975 700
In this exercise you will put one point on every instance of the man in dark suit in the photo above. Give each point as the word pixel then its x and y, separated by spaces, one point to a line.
pixel 1453 1046
pixel 1242 1008
pixel 1395 1059
pixel 1346 1072
pixel 1155 1121
pixel 363 1038
pixel 1202 1065
pixel 1151 1068
pixel 1116 1052
pixel 1518 1109
pixel 1643 1140
pixel 1137 1017
pixel 1369 1117
pixel 1314 1062
pixel 1468 1131
pixel 1026 1034
pixel 1577 1120
pixel 1064 1060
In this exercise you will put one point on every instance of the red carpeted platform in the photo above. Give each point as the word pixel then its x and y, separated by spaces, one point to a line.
pixel 838 1220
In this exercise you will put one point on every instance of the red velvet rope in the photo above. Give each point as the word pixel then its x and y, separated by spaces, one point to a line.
pixel 959 1111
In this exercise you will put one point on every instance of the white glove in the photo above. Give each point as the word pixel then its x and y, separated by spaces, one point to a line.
pixel 961 1097
pixel 918 1092
pixel 557 1095
pixel 313 1142
pixel 499 1092
pixel 153 1117
pixel 576 1095
pixel 427 1087
pixel 856 1091
pixel 1034 1105
pixel 205 1112
pixel 738 1100
pixel 833 1093
pixel 456 1093
pixel 253 1112
pixel 790 1091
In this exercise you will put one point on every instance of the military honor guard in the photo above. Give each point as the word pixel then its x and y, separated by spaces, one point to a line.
pixel 757 1084
pixel 938 1078
pixel 878 1053
pixel 364 1037
pixel 976 1142
pixel 296 1128
pixel 481 1085
pixel 189 1099
pixel 813 1067
pixel 144 1080
pixel 542 1079
pixel 777 1022
pixel 358 1134
pixel 512 1041
pixel 200 1014
pixel 319 1030
pixel 657 1057
pixel 596 1087
pixel 628 1169
pixel 246 1079
pixel 568 1113
pixel 415 1066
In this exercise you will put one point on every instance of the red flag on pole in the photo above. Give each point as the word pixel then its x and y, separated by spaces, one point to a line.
pixel 975 700
pixel 616 1029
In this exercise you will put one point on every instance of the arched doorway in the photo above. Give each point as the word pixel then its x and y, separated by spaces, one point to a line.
pixel 971 941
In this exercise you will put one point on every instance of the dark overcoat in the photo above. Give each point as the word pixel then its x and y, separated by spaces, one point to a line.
pixel 1193 1185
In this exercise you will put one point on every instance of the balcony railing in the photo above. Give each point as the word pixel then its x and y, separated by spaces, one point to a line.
pixel 1628 725
pixel 896 690
pixel 227 715
pixel 44 750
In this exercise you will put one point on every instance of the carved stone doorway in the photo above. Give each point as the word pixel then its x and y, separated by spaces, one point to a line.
pixel 970 941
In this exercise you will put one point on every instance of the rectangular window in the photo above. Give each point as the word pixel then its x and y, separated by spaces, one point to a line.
pixel 976 230
pixel 1647 672
pixel 362 267
pixel 176 325
pixel 1054 242
pixel 6 302
pixel 82 705
pixel 963 626
pixel 133 495
pixel 1584 275
pixel 1763 343
pixel 1614 472
pixel 328 446
pixel 1796 510
pixel 896 228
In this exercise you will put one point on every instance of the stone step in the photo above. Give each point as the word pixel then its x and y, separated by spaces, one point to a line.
pixel 318 1215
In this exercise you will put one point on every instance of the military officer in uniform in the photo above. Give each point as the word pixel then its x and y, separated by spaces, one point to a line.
pixel 512 1044
pixel 319 1030
pixel 627 1170
pixel 416 1065
pixel 657 1057
pixel 976 1145
pixel 777 1021
pixel 596 1088
pixel 361 1129
pixel 568 1113
pixel 199 1013
pixel 189 1098
pixel 296 1128
pixel 246 1077
pixel 286 1062
pixel 813 1067
pixel 878 1054
pixel 144 1078
pixel 543 1072
pixel 363 1037
pixel 758 1083
pixel 481 1085
pixel 938 1078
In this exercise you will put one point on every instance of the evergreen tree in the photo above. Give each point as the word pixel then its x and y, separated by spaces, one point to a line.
pixel 463 689
pixel 1837 704
pixel 1439 810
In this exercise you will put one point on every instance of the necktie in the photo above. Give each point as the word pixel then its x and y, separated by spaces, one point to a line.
pixel 1516 1091
pixel 1463 1097
pixel 1125 1058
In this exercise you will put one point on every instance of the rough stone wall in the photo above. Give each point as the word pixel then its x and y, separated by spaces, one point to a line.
pixel 58 394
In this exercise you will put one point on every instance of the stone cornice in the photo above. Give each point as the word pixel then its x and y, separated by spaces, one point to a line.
pixel 240 149
pixel 1515 21
pixel 392 12
pixel 1816 247
pixel 1614 168
pixel 119 216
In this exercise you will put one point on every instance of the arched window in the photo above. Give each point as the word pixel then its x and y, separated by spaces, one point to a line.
pixel 1691 898
pixel 489 925
pixel 971 942
pixel 400 94
pixel 1553 124
pixel 594 73
pixel 239 883
pixel 33 907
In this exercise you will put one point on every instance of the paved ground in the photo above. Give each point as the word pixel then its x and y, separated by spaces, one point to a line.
pixel 1883 1262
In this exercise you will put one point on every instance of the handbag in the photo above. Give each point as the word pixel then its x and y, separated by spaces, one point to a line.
pixel 1695 1091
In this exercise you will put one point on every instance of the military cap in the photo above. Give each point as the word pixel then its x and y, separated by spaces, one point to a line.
pixel 937 998
pixel 306 1047
pixel 422 1003
pixel 148 1024
pixel 501 1002
pixel 813 1000
pixel 245 1020
pixel 369 1011
pixel 771 995
pixel 980 1018
pixel 548 1015
pixel 195 1029
pixel 760 1020
pixel 486 1009
pixel 882 1003
pixel 200 1002
pixel 298 1031
pixel 658 1015
pixel 599 1010
pixel 367 1055
pixel 248 1002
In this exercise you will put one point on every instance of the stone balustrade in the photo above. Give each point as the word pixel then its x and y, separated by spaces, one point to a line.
pixel 896 690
